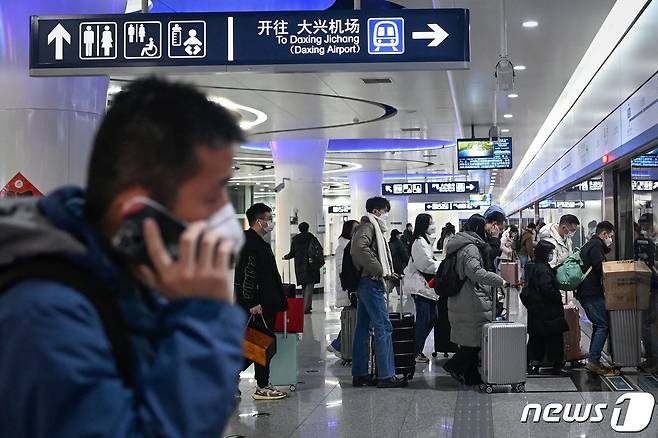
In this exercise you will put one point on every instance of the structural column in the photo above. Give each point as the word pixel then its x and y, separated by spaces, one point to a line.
pixel 46 124
pixel 299 164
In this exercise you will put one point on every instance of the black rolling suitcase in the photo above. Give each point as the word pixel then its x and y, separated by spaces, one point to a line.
pixel 442 342
pixel 289 289
pixel 404 343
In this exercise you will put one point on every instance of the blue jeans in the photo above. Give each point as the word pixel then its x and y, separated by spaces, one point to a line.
pixel 426 316
pixel 524 261
pixel 598 315
pixel 372 312
pixel 336 343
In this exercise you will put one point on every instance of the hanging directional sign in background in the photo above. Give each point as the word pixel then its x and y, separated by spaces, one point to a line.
pixel 279 41
pixel 430 188
pixel 454 206
pixel 550 204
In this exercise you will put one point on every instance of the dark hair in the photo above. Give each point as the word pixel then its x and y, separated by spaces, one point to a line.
pixel 542 250
pixel 475 224
pixel 347 229
pixel 496 217
pixel 303 227
pixel 395 233
pixel 532 225
pixel 513 229
pixel 257 211
pixel 605 226
pixel 569 219
pixel 450 228
pixel 149 138
pixel 540 225
pixel 408 225
pixel 422 224
pixel 377 203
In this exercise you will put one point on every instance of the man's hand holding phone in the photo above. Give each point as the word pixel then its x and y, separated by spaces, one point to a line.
pixel 201 270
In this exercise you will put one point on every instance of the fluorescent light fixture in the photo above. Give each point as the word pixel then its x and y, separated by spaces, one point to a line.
pixel 519 67
pixel 504 130
pixel 259 116
pixel 508 116
pixel 622 14
pixel 512 95
pixel 530 24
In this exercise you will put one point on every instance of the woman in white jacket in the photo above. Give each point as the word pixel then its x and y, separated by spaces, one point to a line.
pixel 342 296
pixel 421 268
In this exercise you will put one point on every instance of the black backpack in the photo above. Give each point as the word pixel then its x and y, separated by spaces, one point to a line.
pixel 315 254
pixel 349 275
pixel 447 282
pixel 102 299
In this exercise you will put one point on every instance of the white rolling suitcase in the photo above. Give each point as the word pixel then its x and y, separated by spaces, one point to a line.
pixel 626 337
pixel 504 356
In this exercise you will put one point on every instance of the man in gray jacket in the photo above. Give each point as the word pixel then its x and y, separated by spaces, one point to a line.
pixel 371 255
pixel 472 307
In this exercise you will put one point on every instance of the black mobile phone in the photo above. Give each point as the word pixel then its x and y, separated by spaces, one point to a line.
pixel 129 240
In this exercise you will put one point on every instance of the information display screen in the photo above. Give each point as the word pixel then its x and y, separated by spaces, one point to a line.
pixel 482 153
pixel 647 160
pixel 480 200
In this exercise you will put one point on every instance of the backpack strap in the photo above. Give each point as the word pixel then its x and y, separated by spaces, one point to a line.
pixel 62 271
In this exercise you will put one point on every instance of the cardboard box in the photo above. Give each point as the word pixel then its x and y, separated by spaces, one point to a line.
pixel 626 285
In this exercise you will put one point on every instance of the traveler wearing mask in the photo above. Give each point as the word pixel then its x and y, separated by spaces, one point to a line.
pixel 342 296
pixel 590 294
pixel 303 248
pixel 561 235
pixel 371 254
pixel 527 251
pixel 421 268
pixel 470 309
pixel 507 243
pixel 102 338
pixel 546 321
pixel 495 222
pixel 258 286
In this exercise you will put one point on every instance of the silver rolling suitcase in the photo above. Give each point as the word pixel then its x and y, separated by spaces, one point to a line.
pixel 626 337
pixel 347 327
pixel 504 356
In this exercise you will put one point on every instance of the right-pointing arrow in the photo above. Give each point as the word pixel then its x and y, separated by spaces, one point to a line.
pixel 437 35
pixel 59 35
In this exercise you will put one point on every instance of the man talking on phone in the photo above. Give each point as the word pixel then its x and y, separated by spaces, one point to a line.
pixel 96 340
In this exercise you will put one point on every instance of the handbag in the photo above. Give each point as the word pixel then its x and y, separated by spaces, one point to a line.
pixel 259 342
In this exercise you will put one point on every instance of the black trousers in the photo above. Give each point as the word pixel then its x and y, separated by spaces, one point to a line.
pixel 546 348
pixel 465 363
pixel 262 372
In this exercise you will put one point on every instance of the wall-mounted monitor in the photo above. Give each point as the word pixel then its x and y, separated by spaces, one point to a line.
pixel 482 153
pixel 649 159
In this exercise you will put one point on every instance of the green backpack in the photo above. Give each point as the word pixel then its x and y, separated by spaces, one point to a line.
pixel 570 273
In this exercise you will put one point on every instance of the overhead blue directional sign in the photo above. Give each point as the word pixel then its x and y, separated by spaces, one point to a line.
pixel 278 41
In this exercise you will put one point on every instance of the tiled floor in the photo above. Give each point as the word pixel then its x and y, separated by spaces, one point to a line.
pixel 434 405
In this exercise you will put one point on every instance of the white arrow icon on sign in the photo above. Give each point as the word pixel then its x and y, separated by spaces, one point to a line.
pixel 470 187
pixel 437 35
pixel 59 35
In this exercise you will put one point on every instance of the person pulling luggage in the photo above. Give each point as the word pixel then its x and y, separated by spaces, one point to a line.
pixel 546 321
pixel 470 309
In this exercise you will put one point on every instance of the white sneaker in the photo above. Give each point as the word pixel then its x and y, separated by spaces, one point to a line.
pixel 268 393
pixel 421 358
pixel 331 349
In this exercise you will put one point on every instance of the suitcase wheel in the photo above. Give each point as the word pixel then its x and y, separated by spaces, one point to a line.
pixel 435 354
pixel 293 388
pixel 488 389
pixel 445 354
pixel 519 387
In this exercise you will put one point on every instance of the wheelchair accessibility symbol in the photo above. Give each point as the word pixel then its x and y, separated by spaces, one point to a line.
pixel 142 39
pixel 386 36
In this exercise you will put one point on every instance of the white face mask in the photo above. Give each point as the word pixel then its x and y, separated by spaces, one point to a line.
pixel 268 225
pixel 551 257
pixel 225 223
pixel 384 217
pixel 608 241
pixel 431 230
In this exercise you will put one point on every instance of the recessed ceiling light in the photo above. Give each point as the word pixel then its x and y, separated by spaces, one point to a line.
pixel 505 130
pixel 530 23
pixel 508 116
pixel 237 184
pixel 519 67
pixel 512 95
